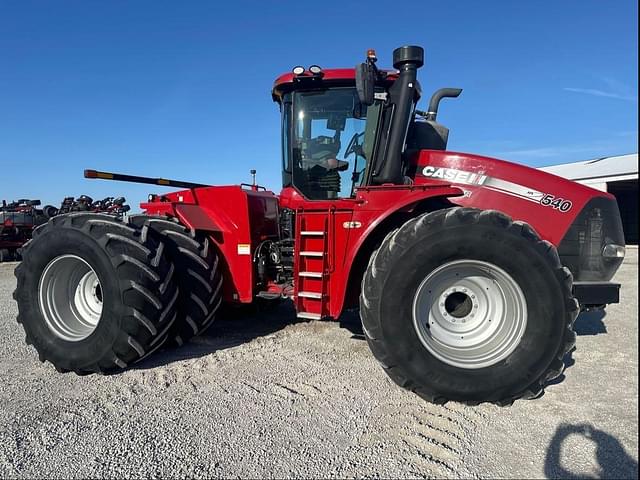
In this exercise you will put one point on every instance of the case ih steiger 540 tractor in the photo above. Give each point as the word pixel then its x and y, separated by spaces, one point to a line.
pixel 468 271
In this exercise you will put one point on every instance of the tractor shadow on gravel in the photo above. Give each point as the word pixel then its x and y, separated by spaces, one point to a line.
pixel 241 325
pixel 350 320
pixel 591 323
pixel 233 327
pixel 587 323
pixel 613 460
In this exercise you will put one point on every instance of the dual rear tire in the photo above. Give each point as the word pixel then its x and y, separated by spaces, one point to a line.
pixel 197 271
pixel 97 294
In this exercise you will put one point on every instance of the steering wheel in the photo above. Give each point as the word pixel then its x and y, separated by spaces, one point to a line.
pixel 353 144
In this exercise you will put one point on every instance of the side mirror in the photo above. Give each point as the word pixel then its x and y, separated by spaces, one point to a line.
pixel 365 82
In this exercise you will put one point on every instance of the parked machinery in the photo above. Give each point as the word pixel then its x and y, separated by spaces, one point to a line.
pixel 110 205
pixel 17 221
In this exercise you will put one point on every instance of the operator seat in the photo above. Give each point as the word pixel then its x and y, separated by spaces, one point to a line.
pixel 320 179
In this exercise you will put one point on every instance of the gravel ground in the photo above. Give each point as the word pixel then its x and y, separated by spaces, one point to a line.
pixel 266 397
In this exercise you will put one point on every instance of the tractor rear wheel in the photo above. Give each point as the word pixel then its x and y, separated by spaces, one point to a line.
pixel 94 294
pixel 197 271
pixel 467 305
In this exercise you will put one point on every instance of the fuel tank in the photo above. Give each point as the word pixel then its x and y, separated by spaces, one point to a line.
pixel 583 223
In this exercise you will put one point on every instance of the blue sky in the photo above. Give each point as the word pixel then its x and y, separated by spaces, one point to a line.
pixel 182 89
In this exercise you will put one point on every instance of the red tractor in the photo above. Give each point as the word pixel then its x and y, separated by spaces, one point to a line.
pixel 468 271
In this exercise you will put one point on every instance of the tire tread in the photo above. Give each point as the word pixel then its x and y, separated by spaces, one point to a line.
pixel 196 265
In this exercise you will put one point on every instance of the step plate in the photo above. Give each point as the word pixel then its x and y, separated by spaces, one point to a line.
pixel 310 316
pixel 310 274
pixel 311 254
pixel 314 295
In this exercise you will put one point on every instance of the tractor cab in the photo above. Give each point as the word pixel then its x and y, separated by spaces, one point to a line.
pixel 328 134
pixel 324 141
pixel 348 128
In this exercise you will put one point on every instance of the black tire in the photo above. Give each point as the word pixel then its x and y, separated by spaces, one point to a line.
pixel 137 287
pixel 197 271
pixel 49 211
pixel 5 255
pixel 408 254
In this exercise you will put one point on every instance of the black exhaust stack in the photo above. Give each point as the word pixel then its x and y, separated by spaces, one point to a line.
pixel 401 96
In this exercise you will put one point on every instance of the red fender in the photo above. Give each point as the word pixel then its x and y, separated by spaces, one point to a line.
pixel 236 219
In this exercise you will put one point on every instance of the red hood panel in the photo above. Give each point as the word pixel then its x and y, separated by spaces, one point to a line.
pixel 547 202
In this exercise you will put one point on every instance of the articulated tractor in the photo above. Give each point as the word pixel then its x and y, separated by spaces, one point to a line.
pixel 468 271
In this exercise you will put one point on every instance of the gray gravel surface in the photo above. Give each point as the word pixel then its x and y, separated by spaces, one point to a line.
pixel 263 396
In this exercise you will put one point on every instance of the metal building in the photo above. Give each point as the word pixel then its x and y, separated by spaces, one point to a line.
pixel 617 175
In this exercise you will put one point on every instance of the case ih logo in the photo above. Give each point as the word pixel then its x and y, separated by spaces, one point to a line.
pixel 497 185
pixel 455 176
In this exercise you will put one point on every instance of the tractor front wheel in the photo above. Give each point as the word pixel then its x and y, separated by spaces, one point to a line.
pixel 467 305
pixel 94 293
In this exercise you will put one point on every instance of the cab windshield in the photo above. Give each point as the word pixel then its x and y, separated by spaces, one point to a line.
pixel 331 138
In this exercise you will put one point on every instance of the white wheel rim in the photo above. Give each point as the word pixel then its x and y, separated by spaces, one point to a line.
pixel 470 314
pixel 70 297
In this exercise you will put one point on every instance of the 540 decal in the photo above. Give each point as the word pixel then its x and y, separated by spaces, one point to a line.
pixel 558 203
